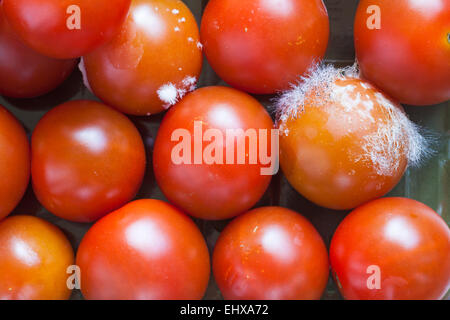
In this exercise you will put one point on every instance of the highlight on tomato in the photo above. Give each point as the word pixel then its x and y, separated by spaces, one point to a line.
pixel 34 259
pixel 343 142
pixel 24 72
pixel 65 29
pixel 403 47
pixel 87 160
pixel 270 253
pixel 392 249
pixel 146 250
pixel 263 46
pixel 152 63
pixel 14 162
pixel 215 153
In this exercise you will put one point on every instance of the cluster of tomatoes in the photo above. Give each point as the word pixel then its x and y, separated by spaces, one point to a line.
pixel 344 142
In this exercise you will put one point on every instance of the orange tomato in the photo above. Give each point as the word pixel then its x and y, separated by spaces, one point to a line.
pixel 152 63
pixel 343 142
pixel 34 257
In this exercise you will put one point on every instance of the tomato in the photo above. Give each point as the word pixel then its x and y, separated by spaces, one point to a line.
pixel 409 55
pixel 24 72
pixel 14 162
pixel 270 253
pixel 343 142
pixel 145 250
pixel 66 29
pixel 400 243
pixel 87 160
pixel 221 187
pixel 152 63
pixel 34 257
pixel 262 46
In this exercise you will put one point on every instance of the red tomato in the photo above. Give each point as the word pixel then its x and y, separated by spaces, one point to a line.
pixel 152 63
pixel 343 142
pixel 262 46
pixel 66 29
pixel 211 188
pixel 408 57
pixel 24 72
pixel 34 257
pixel 87 160
pixel 145 250
pixel 400 243
pixel 270 253
pixel 14 162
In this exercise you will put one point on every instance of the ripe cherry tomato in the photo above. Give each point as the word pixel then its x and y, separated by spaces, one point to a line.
pixel 270 253
pixel 66 29
pixel 14 162
pixel 392 248
pixel 34 257
pixel 152 63
pixel 24 72
pixel 87 160
pixel 408 56
pixel 145 250
pixel 343 142
pixel 262 46
pixel 212 188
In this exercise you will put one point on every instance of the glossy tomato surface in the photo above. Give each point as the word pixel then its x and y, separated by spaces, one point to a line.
pixel 66 29
pixel 270 253
pixel 201 180
pixel 34 257
pixel 87 160
pixel 403 242
pixel 14 162
pixel 342 151
pixel 262 46
pixel 154 60
pixel 145 250
pixel 408 57
pixel 24 72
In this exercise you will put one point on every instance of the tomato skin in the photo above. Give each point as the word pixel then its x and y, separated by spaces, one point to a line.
pixel 43 24
pixel 211 191
pixel 26 73
pixel 333 154
pixel 407 240
pixel 262 46
pixel 146 250
pixel 270 253
pixel 157 45
pixel 409 56
pixel 14 162
pixel 87 160
pixel 34 257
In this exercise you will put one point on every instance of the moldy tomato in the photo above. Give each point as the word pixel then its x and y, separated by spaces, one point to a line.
pixel 145 250
pixel 87 160
pixel 154 60
pixel 14 162
pixel 65 29
pixel 392 248
pixel 220 187
pixel 262 46
pixel 343 142
pixel 408 57
pixel 270 253
pixel 34 257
